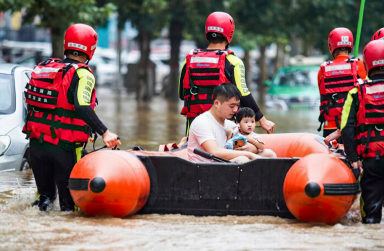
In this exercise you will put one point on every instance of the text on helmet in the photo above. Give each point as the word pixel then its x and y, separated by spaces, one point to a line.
pixel 80 46
pixel 214 28
pixel 378 62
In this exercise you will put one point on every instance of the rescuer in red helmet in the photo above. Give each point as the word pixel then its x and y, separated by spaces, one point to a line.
pixel 379 35
pixel 204 69
pixel 362 125
pixel 336 78
pixel 61 100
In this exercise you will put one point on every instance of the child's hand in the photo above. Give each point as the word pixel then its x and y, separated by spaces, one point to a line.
pixel 248 147
pixel 260 140
pixel 257 143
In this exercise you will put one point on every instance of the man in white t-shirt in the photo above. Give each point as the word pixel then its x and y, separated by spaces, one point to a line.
pixel 208 130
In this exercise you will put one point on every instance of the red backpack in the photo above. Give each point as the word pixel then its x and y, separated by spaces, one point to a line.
pixel 370 119
pixel 338 78
pixel 51 118
pixel 204 71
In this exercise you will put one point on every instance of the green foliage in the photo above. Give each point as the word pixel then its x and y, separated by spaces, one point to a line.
pixel 311 21
pixel 147 14
pixel 59 15
pixel 197 12
pixel 257 22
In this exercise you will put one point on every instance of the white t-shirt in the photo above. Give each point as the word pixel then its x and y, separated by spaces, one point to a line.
pixel 205 127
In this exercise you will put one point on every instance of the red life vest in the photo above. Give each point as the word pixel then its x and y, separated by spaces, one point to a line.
pixel 51 118
pixel 204 71
pixel 338 78
pixel 370 119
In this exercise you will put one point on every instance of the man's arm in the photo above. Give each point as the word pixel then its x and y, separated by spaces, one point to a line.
pixel 361 70
pixel 348 122
pixel 319 76
pixel 249 101
pixel 181 80
pixel 82 100
pixel 211 147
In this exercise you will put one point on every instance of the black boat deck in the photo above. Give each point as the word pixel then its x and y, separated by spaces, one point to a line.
pixel 179 186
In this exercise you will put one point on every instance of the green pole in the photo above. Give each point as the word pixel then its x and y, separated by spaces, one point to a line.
pixel 362 4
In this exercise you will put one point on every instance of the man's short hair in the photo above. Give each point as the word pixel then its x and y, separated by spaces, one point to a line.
pixel 244 112
pixel 226 91
pixel 216 38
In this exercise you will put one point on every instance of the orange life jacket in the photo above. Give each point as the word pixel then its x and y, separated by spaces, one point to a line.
pixel 51 118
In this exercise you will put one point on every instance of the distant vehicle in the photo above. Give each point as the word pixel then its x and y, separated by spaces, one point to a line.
pixel 300 60
pixel 294 87
pixel 14 148
pixel 161 60
pixel 30 59
pixel 104 68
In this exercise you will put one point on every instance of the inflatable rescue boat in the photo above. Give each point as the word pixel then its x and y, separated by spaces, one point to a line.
pixel 309 180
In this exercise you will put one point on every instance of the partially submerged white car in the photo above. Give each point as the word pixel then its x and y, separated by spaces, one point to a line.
pixel 14 148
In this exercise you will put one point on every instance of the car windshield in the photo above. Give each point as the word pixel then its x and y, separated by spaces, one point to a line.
pixel 7 94
pixel 294 78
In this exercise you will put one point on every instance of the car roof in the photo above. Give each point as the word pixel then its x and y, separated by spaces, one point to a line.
pixel 8 68
pixel 300 67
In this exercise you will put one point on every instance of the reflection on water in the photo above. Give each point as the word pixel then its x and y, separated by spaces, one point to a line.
pixel 148 125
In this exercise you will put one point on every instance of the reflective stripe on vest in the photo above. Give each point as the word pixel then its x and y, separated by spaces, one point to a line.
pixel 204 71
pixel 42 91
pixel 38 99
pixel 52 118
pixel 370 119
pixel 338 78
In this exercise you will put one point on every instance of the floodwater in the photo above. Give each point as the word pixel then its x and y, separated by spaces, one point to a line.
pixel 148 125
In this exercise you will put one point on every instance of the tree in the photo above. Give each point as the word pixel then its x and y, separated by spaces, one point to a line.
pixel 186 20
pixel 260 23
pixel 59 15
pixel 145 16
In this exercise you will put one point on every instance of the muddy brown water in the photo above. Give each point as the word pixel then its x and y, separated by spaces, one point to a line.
pixel 148 125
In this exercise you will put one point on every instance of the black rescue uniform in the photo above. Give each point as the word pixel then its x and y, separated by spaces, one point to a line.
pixel 51 164
pixel 372 180
pixel 235 73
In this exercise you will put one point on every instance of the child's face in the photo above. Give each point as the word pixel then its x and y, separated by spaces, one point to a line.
pixel 247 125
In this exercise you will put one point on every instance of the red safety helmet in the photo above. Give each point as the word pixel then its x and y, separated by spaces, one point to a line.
pixel 220 22
pixel 338 38
pixel 378 35
pixel 373 55
pixel 81 37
